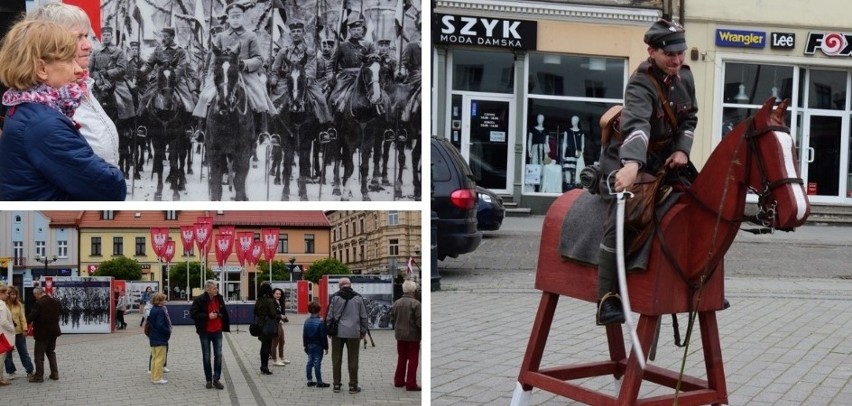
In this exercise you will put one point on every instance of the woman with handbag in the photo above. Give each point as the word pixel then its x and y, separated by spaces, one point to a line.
pixel 7 331
pixel 266 318
pixel 278 343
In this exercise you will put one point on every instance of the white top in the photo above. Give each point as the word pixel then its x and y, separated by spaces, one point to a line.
pixel 97 128
pixel 7 326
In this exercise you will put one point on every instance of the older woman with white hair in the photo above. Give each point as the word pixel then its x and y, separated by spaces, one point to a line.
pixel 97 128
pixel 406 325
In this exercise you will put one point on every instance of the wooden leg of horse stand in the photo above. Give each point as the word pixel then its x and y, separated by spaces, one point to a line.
pixel 633 374
pixel 538 337
pixel 713 355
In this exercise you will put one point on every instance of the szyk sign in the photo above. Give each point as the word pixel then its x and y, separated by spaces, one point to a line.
pixel 830 43
pixel 483 31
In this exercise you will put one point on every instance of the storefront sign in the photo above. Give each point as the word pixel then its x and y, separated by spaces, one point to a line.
pixel 830 43
pixel 740 39
pixel 783 40
pixel 482 31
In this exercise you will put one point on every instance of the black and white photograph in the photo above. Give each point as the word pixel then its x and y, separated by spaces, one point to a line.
pixel 85 301
pixel 263 99
pixel 377 291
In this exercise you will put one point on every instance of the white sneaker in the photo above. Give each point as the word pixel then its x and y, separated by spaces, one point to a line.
pixel 278 363
pixel 149 372
pixel 160 382
pixel 286 361
pixel 166 369
pixel 11 376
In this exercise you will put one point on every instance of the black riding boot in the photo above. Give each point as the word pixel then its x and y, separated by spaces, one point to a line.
pixel 609 307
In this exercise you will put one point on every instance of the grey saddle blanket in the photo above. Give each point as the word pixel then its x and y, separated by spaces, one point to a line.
pixel 583 230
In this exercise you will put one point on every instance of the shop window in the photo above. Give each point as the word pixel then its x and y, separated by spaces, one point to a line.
pixel 567 95
pixel 483 71
pixel 752 84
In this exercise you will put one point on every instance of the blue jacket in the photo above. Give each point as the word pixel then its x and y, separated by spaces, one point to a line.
pixel 161 331
pixel 44 157
pixel 315 332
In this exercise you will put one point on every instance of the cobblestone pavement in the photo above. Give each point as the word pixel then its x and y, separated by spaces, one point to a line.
pixel 111 369
pixel 785 340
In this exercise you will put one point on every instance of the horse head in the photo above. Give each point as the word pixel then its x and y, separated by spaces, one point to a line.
pixel 773 171
pixel 370 78
pixel 296 86
pixel 230 93
pixel 165 99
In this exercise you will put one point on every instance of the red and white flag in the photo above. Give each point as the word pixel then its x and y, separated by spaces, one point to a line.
pixel 169 251
pixel 224 247
pixel 269 237
pixel 159 236
pixel 187 237
pixel 245 242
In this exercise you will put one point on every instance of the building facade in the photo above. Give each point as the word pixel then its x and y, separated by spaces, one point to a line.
pixel 519 87
pixel 376 242
pixel 38 244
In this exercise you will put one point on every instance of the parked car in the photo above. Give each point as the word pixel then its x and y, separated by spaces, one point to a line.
pixel 489 210
pixel 453 200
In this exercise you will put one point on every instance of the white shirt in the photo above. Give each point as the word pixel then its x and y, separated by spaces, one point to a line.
pixel 97 128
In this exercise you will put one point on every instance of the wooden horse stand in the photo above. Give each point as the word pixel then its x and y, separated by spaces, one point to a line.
pixel 653 293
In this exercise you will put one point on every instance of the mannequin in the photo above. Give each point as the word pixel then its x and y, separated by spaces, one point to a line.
pixel 537 147
pixel 572 151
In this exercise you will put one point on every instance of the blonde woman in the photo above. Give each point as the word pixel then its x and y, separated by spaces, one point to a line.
pixel 7 327
pixel 16 306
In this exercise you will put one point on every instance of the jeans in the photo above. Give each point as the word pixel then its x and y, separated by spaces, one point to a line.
pixel 314 362
pixel 21 347
pixel 214 339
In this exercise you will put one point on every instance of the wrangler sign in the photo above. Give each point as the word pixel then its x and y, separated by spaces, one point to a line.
pixel 483 31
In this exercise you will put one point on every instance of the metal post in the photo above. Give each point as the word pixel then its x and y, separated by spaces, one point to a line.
pixel 290 287
pixel 436 278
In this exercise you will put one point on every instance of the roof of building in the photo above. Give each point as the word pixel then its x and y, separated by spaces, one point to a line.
pixel 146 219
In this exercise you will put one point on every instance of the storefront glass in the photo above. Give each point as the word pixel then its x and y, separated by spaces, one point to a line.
pixel 567 95
pixel 483 71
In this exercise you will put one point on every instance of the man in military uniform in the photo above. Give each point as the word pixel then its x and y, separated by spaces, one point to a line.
pixel 237 38
pixel 389 63
pixel 348 59
pixel 108 67
pixel 168 55
pixel 325 73
pixel 134 83
pixel 649 140
pixel 296 55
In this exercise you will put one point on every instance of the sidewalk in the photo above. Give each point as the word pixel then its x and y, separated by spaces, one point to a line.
pixel 111 369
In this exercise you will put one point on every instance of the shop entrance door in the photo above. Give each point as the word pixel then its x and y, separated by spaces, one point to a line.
pixel 487 135
pixel 824 160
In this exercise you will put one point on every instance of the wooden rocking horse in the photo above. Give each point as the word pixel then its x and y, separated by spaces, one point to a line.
pixel 758 155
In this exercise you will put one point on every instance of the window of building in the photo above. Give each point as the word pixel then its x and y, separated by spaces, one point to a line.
pixel 171 215
pixel 140 246
pixel 748 85
pixel 62 248
pixel 483 71
pixel 334 235
pixel 393 217
pixel 18 252
pixel 283 244
pixel 361 223
pixel 309 243
pixel 107 215
pixel 347 230
pixel 40 249
pixel 393 245
pixel 117 245
pixel 354 229
pixel 361 248
pixel 347 255
pixel 96 246
pixel 567 95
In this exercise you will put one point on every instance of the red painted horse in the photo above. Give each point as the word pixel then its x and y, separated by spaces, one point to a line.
pixel 759 155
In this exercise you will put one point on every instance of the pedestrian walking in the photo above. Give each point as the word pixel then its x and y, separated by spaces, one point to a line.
pixel 315 342
pixel 352 324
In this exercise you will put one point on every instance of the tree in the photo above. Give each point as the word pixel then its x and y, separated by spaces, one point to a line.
pixel 326 266
pixel 280 272
pixel 177 275
pixel 121 268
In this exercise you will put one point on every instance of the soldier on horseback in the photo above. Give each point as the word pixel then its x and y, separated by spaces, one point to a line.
pixel 298 56
pixel 134 83
pixel 168 55
pixel 325 73
pixel 651 139
pixel 347 61
pixel 108 68
pixel 236 38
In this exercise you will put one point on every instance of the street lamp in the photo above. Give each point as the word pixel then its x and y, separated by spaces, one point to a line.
pixel 46 261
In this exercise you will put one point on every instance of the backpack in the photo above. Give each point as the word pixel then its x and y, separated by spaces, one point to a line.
pixel 611 124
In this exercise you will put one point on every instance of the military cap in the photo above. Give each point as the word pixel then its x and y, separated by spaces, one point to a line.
pixel 355 20
pixel 666 35
pixel 328 41
pixel 168 30
pixel 294 24
pixel 383 42
pixel 107 28
pixel 134 43
pixel 235 4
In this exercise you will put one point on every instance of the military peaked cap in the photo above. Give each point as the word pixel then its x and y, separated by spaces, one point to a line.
pixel 667 36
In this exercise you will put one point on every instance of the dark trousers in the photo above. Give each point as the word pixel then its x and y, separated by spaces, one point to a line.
pixel 352 351
pixel 408 356
pixel 607 266
pixel 42 348
pixel 265 350
pixel 119 318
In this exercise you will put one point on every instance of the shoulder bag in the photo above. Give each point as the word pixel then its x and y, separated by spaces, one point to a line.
pixel 331 323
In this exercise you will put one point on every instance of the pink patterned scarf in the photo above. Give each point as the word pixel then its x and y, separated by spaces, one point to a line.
pixel 64 100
